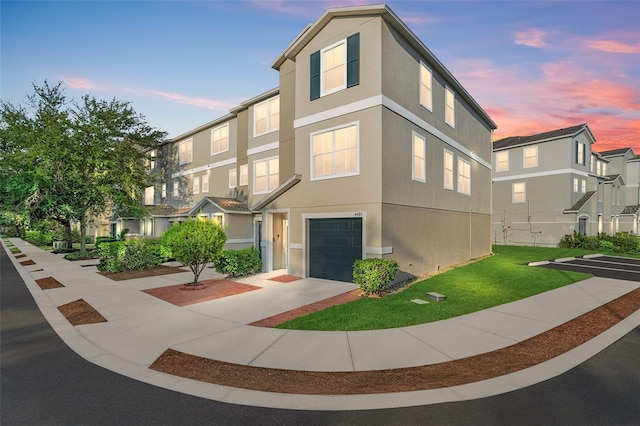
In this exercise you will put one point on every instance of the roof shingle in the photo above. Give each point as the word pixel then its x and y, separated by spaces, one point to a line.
pixel 523 140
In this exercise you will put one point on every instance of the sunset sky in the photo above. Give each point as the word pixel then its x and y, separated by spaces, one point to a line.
pixel 532 65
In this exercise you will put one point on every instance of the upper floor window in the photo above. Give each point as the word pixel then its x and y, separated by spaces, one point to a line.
pixel 530 156
pixel 152 159
pixel 266 175
pixel 185 154
pixel 599 168
pixel 244 174
pixel 450 112
pixel 580 154
pixel 502 161
pixel 149 193
pixel 583 187
pixel 205 183
pixel 592 167
pixel 419 165
pixel 220 139
pixel 176 188
pixel 266 116
pixel 233 178
pixel 164 190
pixel 464 176
pixel 335 152
pixel 196 184
pixel 335 67
pixel 448 169
pixel 519 192
pixel 426 78
pixel 575 184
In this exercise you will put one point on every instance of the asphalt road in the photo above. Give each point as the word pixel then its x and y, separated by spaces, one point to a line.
pixel 43 382
pixel 620 268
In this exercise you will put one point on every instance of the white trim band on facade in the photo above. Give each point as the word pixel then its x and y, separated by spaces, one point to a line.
pixel 381 100
pixel 240 241
pixel 541 174
pixel 222 163
pixel 263 148
pixel 379 250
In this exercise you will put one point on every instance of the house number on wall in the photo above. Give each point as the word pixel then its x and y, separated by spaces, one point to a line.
pixel 358 214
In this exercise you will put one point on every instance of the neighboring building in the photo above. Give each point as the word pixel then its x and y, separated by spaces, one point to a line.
pixel 552 184
pixel 369 147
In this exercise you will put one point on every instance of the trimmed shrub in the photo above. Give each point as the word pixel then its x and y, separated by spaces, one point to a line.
pixel 39 238
pixel 374 275
pixel 132 255
pixel 239 263
pixel 81 255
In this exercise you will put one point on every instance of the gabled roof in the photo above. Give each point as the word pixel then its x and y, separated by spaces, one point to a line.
pixel 542 137
pixel 615 152
pixel 390 17
pixel 288 184
pixel 631 210
pixel 581 202
pixel 225 205
pixel 613 178
pixel 160 210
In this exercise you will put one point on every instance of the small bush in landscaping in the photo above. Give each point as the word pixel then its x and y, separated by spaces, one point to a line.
pixel 39 238
pixel 239 263
pixel 374 275
pixel 619 243
pixel 133 255
pixel 81 255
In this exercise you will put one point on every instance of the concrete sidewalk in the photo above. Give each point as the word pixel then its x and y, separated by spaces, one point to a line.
pixel 140 328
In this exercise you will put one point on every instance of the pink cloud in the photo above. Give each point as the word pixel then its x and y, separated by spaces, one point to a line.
pixel 612 46
pixel 81 83
pixel 212 104
pixel 534 37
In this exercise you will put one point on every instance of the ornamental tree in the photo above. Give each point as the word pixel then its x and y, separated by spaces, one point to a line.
pixel 195 243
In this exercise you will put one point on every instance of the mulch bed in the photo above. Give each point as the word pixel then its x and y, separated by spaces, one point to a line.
pixel 18 256
pixel 180 295
pixel 285 278
pixel 28 263
pixel 48 283
pixel 80 312
pixel 522 355
pixel 129 275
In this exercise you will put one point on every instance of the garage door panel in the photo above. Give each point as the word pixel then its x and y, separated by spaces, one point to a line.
pixel 334 244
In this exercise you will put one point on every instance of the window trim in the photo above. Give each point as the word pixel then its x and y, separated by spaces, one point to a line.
pixel 524 156
pixel 506 153
pixel 576 185
pixel 452 94
pixel 266 160
pixel 429 104
pixel 233 178
pixel 313 177
pixel 524 192
pixel 583 186
pixel 444 167
pixel 267 103
pixel 195 182
pixel 205 179
pixel 468 163
pixel 212 141
pixel 415 178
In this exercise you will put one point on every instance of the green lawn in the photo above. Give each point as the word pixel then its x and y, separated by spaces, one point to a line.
pixel 492 281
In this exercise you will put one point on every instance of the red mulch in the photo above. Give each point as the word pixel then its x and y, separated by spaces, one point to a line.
pixel 48 283
pixel 285 278
pixel 215 289
pixel 28 263
pixel 129 275
pixel 80 312
pixel 18 256
pixel 535 350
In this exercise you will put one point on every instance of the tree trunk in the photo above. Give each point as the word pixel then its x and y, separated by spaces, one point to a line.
pixel 67 233
pixel 83 235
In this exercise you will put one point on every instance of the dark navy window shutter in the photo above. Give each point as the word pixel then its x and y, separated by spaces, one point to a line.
pixel 577 159
pixel 315 75
pixel 353 60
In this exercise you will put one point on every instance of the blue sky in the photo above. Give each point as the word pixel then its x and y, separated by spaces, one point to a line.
pixel 532 65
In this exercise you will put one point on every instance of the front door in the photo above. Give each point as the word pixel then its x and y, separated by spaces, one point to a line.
pixel 582 226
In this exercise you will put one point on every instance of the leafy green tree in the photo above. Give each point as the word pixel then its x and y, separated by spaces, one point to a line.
pixel 74 161
pixel 195 243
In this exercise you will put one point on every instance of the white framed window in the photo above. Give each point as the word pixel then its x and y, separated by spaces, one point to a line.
pixel 604 168
pixel 196 184
pixel 519 192
pixel 599 168
pixel 218 217
pixel 176 188
pixel 450 111
pixel 185 153
pixel 152 159
pixel 164 190
pixel 580 153
pixel 244 174
pixel 149 192
pixel 530 156
pixel 583 186
pixel 205 183
pixel 502 161
pixel 575 184
pixel 448 170
pixel 220 139
pixel 464 176
pixel 335 152
pixel 233 178
pixel 266 116
pixel 334 69
pixel 592 167
pixel 419 163
pixel 266 175
pixel 426 80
